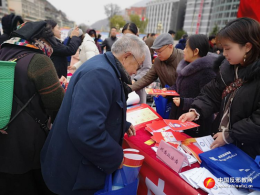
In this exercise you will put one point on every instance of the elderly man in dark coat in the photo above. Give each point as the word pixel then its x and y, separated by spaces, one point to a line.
pixel 84 144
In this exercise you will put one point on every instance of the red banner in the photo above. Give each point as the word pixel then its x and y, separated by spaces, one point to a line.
pixel 199 16
pixel 249 9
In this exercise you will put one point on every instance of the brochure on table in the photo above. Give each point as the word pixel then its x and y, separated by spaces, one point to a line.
pixel 161 92
pixel 141 114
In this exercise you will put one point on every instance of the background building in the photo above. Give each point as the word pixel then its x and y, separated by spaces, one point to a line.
pixel 3 8
pixel 202 15
pixel 223 11
pixel 164 15
pixel 30 10
pixel 136 10
pixel 51 13
pixel 35 10
pixel 198 16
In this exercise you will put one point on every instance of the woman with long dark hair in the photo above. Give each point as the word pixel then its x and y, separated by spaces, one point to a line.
pixel 194 71
pixel 235 93
pixel 92 33
pixel 61 51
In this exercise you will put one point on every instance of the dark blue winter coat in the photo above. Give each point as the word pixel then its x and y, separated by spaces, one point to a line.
pixel 181 44
pixel 84 144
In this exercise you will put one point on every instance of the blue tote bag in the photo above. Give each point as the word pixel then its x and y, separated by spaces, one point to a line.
pixel 163 107
pixel 128 188
pixel 230 161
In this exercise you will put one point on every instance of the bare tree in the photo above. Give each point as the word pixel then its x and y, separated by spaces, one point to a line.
pixel 111 10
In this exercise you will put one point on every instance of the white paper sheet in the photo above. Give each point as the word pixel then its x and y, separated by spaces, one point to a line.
pixel 205 142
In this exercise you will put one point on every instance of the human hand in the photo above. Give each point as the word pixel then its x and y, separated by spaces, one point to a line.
pixel 188 116
pixel 71 67
pixel 133 81
pixel 131 131
pixel 219 141
pixel 75 32
pixel 176 101
pixel 63 80
pixel 164 89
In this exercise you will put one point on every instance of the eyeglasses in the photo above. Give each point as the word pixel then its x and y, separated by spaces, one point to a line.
pixel 158 52
pixel 139 65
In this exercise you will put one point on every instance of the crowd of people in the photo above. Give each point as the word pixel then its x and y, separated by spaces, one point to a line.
pixel 67 143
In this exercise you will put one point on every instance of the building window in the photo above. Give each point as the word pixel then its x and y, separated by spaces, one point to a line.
pixel 228 7
pixel 235 7
pixel 234 14
pixel 226 15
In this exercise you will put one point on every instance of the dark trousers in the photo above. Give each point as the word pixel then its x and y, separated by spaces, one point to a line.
pixel 30 183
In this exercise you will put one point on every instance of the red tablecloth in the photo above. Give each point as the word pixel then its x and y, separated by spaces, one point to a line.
pixel 156 177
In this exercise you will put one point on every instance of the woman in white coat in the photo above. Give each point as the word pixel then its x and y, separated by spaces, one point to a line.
pixel 87 50
pixel 132 29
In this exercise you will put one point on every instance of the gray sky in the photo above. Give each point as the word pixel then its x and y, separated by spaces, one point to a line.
pixel 88 12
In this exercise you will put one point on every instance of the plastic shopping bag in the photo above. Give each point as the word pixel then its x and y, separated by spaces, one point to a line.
pixel 230 161
pixel 127 189
pixel 163 107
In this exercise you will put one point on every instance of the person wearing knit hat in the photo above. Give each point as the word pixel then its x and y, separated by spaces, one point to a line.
pixel 9 23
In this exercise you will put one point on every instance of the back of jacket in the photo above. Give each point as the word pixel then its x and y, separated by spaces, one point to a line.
pixel 84 144
pixel 60 53
pixel 21 147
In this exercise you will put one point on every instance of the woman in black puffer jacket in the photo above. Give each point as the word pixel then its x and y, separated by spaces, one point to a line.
pixel 235 93
pixel 60 51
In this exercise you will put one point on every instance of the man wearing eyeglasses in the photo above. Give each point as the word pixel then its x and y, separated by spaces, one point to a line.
pixel 85 142
pixel 165 64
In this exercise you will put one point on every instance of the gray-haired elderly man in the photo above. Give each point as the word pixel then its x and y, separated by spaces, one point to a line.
pixel 165 64
pixel 84 144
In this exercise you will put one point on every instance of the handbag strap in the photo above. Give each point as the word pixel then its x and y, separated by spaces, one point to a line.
pixel 123 176
pixel 3 130
pixel 108 185
pixel 38 121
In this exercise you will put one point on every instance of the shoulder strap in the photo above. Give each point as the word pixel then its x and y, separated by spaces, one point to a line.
pixel 3 130
pixel 18 57
pixel 24 107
